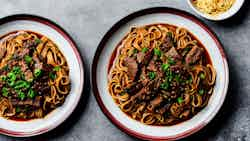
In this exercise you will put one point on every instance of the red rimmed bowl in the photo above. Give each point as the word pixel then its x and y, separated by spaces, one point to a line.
pixel 69 49
pixel 151 16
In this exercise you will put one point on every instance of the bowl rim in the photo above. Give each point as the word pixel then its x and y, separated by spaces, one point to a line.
pixel 102 45
pixel 73 45
pixel 220 17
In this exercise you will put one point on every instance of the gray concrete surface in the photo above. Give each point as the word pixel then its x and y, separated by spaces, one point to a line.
pixel 88 20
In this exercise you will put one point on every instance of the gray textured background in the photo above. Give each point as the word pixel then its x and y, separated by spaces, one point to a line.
pixel 88 20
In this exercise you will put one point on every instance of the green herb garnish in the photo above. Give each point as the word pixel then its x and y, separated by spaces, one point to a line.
pixel 180 100
pixel 37 72
pixel 151 75
pixel 201 91
pixel 164 85
pixel 5 92
pixel 157 52
pixel 18 109
pixel 31 94
pixel 165 67
pixel 21 84
pixel 56 68
pixel 202 75
pixel 171 61
pixel 144 50
pixel 16 70
pixel 11 76
pixel 135 51
pixel 21 95
pixel 52 75
pixel 27 59
pixel 3 78
pixel 37 41
pixel 178 78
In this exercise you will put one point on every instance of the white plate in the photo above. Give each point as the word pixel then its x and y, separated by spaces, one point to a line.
pixel 151 16
pixel 69 50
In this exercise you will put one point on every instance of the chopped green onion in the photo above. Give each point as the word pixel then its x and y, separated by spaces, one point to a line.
pixel 202 76
pixel 18 109
pixel 37 72
pixel 31 94
pixel 21 95
pixel 5 92
pixel 144 50
pixel 152 75
pixel 21 84
pixel 3 78
pixel 56 68
pixel 170 76
pixel 178 78
pixel 180 100
pixel 171 61
pixel 52 75
pixel 135 51
pixel 165 67
pixel 11 76
pixel 201 92
pixel 16 70
pixel 164 85
pixel 27 59
pixel 187 48
pixel 37 41
pixel 189 80
pixel 157 52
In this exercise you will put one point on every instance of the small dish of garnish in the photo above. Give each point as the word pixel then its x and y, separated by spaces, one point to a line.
pixel 216 10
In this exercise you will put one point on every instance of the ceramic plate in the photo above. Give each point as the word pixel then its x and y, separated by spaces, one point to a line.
pixel 68 47
pixel 145 17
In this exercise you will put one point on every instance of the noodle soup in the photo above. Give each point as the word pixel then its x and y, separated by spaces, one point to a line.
pixel 160 74
pixel 34 76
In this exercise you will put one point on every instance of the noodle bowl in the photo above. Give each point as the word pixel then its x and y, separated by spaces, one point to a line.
pixel 34 76
pixel 160 74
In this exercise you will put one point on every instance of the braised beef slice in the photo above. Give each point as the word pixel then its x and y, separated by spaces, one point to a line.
pixel 144 58
pixel 167 44
pixel 134 88
pixel 35 103
pixel 140 95
pixel 164 108
pixel 194 55
pixel 153 85
pixel 172 53
pixel 155 102
pixel 38 63
pixel 132 68
pixel 24 52
pixel 177 67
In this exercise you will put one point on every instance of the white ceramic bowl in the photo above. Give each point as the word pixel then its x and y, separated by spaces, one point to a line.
pixel 69 50
pixel 145 17
pixel 229 13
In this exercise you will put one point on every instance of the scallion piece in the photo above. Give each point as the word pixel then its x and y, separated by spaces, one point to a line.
pixel 27 59
pixel 37 72
pixel 151 75
pixel 157 52
pixel 144 50
pixel 180 100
